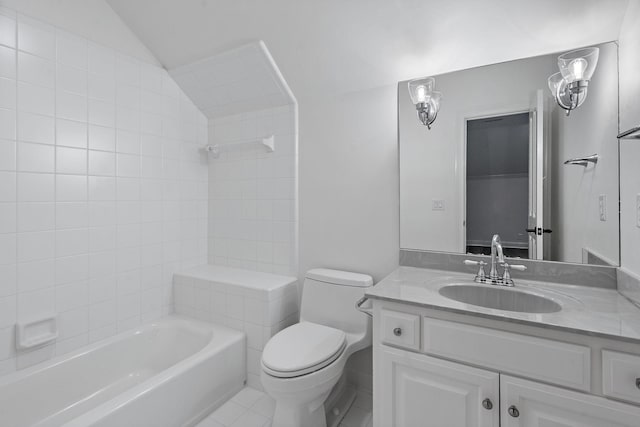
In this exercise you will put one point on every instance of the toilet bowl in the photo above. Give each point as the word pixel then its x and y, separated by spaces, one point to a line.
pixel 302 363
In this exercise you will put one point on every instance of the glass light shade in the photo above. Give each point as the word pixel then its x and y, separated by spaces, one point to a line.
pixel 434 100
pixel 420 89
pixel 578 64
pixel 555 81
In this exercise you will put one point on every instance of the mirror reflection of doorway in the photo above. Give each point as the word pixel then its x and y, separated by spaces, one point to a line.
pixel 497 183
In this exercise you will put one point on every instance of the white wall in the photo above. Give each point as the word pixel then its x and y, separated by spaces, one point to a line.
pixel 630 148
pixel 102 188
pixel 349 191
pixel 591 129
pixel 349 183
pixel 94 20
pixel 253 193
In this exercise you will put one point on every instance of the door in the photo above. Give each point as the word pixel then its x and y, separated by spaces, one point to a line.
pixel 536 228
pixel 422 391
pixel 528 404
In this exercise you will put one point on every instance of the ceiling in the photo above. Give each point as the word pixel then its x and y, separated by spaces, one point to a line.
pixel 329 47
pixel 235 81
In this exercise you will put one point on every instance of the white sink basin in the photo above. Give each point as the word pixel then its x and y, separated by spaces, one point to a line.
pixel 500 298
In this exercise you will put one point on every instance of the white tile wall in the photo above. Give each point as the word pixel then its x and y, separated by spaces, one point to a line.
pixel 207 294
pixel 252 193
pixel 103 193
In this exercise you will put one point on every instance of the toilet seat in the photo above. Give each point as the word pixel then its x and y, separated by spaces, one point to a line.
pixel 301 349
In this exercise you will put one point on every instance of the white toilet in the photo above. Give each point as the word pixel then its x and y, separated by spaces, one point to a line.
pixel 302 363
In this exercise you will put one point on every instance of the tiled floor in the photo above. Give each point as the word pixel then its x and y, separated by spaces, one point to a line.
pixel 253 408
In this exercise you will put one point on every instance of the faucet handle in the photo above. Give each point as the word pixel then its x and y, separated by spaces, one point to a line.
pixel 506 277
pixel 481 277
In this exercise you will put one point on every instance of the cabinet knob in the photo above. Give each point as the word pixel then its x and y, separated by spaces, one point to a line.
pixel 513 411
pixel 397 332
pixel 487 404
pixel 638 383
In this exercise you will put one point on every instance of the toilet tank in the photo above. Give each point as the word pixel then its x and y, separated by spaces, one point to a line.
pixel 329 298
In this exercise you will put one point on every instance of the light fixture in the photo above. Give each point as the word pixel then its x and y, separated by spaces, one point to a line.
pixel 426 100
pixel 569 86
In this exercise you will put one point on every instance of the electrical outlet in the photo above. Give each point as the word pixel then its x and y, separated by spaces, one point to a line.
pixel 602 202
pixel 437 205
pixel 638 210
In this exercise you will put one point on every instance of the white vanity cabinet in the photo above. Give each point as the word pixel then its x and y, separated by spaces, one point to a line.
pixel 529 404
pixel 455 371
pixel 424 391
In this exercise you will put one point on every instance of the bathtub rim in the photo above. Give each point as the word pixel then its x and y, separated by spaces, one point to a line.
pixel 221 338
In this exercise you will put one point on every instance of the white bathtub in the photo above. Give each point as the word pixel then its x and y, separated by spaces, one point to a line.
pixel 168 373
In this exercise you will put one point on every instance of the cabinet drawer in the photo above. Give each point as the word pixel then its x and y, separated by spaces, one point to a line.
pixel 400 329
pixel 621 376
pixel 546 360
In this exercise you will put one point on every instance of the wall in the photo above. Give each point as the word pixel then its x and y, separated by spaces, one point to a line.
pixel 253 193
pixel 92 19
pixel 349 183
pixel 349 191
pixel 102 188
pixel 259 304
pixel 591 129
pixel 630 148
pixel 436 156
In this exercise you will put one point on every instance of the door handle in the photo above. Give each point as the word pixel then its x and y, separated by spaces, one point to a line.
pixel 539 231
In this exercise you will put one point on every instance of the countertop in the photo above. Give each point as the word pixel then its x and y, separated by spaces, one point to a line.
pixel 585 310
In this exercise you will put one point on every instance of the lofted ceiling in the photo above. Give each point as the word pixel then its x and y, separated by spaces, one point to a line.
pixel 328 47
pixel 235 81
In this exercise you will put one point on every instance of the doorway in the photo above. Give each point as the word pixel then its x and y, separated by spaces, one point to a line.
pixel 497 183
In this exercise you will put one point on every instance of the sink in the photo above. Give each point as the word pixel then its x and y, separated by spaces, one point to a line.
pixel 500 298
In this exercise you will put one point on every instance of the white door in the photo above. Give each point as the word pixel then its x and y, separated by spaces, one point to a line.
pixel 422 391
pixel 536 176
pixel 528 404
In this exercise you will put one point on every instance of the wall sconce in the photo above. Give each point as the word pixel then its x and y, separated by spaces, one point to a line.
pixel 426 100
pixel 569 86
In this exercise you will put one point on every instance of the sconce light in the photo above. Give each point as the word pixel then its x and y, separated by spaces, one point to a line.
pixel 426 100
pixel 569 86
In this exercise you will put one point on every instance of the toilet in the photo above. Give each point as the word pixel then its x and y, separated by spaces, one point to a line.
pixel 302 363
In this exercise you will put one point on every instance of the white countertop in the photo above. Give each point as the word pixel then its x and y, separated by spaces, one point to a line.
pixel 585 310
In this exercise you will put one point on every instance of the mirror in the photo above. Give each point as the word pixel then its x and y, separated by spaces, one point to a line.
pixel 494 162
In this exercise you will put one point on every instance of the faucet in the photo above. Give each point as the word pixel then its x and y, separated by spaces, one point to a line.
pixel 497 258
pixel 496 251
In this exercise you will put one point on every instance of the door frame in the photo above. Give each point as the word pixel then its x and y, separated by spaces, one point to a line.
pixel 477 115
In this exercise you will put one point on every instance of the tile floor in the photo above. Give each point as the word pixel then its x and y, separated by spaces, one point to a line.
pixel 253 408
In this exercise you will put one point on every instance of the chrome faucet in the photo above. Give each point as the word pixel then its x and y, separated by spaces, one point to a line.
pixel 496 251
pixel 497 258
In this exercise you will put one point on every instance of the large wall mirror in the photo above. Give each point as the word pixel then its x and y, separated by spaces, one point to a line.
pixel 503 157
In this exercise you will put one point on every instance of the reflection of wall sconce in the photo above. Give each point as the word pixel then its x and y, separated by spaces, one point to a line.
pixel 426 100
pixel 569 86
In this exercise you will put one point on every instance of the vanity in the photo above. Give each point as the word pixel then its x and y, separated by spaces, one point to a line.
pixel 561 355
pixel 549 334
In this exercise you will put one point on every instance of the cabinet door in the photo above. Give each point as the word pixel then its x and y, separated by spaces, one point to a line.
pixel 422 391
pixel 538 405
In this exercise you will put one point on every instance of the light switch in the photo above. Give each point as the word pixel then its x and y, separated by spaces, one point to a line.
pixel 437 205
pixel 602 202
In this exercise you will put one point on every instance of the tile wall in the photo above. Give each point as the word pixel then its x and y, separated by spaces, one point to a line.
pixel 103 191
pixel 252 193
pixel 260 311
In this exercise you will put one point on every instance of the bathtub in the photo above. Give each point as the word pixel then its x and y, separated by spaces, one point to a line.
pixel 168 373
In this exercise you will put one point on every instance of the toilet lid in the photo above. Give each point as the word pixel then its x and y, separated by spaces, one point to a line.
pixel 301 349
